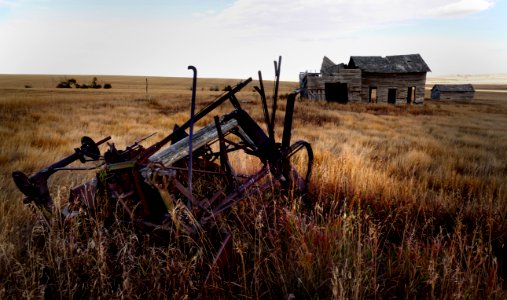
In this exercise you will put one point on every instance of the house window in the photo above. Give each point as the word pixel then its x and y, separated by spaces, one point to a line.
pixel 372 95
pixel 410 94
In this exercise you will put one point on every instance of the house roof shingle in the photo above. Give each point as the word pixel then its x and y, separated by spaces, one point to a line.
pixel 411 63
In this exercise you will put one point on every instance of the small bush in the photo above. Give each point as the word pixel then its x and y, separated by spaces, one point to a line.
pixel 63 85
pixel 94 84
pixel 72 83
pixel 27 86
pixel 107 85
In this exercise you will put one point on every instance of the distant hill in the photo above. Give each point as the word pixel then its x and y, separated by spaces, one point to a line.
pixel 468 78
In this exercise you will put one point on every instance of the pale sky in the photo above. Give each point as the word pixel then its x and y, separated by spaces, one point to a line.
pixel 235 38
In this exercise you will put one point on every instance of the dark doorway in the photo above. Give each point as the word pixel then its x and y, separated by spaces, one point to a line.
pixel 391 96
pixel 410 94
pixel 373 95
pixel 337 92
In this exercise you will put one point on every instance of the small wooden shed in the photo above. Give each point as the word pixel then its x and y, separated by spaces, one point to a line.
pixel 454 92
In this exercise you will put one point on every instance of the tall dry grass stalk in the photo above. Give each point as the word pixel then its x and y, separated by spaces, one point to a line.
pixel 406 201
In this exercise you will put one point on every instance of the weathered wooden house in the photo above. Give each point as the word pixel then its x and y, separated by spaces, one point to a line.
pixel 398 79
pixel 455 92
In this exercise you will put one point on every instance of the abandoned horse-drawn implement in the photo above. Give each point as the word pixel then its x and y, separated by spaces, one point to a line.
pixel 193 175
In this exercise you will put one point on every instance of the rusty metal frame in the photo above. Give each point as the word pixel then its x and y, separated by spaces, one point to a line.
pixel 146 181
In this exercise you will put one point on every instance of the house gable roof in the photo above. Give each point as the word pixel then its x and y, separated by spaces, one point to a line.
pixel 326 64
pixel 329 67
pixel 454 88
pixel 411 63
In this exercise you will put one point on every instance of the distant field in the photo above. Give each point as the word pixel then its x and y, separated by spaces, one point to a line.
pixel 500 79
pixel 121 83
pixel 410 201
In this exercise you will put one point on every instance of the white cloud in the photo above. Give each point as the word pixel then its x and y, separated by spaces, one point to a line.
pixel 24 5
pixel 234 42
pixel 463 7
pixel 333 18
pixel 6 3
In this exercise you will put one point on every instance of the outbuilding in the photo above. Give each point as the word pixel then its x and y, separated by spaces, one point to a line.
pixel 453 92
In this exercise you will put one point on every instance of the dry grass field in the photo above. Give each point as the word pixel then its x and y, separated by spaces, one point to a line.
pixel 409 202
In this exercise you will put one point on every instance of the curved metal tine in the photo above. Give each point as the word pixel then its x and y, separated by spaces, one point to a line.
pixel 296 147
pixel 191 133
pixel 287 124
pixel 225 165
pixel 275 98
pixel 262 93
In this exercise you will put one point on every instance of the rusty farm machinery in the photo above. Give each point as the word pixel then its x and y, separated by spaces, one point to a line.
pixel 190 173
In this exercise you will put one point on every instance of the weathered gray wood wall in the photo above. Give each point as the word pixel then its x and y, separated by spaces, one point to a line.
pixel 400 82
pixel 457 96
pixel 359 84
pixel 352 77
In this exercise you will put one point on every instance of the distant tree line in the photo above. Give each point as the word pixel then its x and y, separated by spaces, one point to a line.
pixel 72 83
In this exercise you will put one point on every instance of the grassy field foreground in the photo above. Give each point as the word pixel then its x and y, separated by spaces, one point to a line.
pixel 408 201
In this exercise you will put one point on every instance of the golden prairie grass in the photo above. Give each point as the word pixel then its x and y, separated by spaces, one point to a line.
pixel 407 201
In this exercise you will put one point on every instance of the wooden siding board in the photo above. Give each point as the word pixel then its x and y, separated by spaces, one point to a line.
pixel 456 96
pixel 316 85
pixel 400 82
